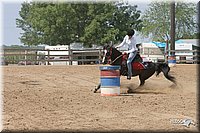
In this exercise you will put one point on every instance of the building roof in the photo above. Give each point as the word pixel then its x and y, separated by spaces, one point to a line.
pixel 188 41
pixel 183 41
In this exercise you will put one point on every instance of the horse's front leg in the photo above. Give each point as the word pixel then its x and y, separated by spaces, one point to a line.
pixel 98 87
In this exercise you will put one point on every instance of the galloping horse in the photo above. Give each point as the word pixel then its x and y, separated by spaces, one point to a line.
pixel 142 69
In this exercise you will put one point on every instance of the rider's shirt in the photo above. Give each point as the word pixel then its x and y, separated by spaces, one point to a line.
pixel 130 42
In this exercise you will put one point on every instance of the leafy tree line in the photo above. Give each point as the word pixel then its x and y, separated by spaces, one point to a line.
pixel 64 23
pixel 156 20
pixel 100 23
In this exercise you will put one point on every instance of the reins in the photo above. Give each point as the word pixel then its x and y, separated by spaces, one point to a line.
pixel 115 59
pixel 111 62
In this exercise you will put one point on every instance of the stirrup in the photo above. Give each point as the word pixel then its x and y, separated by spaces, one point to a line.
pixel 128 77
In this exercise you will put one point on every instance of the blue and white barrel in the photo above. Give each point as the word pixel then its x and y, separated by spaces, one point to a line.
pixel 171 60
pixel 110 80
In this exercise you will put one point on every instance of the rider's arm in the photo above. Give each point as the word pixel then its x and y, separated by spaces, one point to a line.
pixel 130 51
pixel 134 48
pixel 122 43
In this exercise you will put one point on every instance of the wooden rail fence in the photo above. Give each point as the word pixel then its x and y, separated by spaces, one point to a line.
pixel 86 56
pixel 15 56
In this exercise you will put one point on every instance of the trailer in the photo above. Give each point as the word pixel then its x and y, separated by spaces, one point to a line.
pixel 184 53
pixel 186 47
pixel 152 52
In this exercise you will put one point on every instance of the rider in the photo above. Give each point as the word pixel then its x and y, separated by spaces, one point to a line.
pixel 132 50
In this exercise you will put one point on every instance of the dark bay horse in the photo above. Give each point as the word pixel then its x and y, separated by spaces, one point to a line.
pixel 142 69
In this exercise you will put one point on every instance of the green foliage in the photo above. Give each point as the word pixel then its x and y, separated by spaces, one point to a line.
pixel 156 20
pixel 64 23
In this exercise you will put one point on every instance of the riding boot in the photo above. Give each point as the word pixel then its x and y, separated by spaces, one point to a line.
pixel 129 63
pixel 129 71
pixel 129 77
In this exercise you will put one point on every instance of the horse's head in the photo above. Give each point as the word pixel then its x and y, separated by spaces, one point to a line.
pixel 110 54
pixel 107 53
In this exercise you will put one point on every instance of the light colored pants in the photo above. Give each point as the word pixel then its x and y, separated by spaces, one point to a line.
pixel 129 61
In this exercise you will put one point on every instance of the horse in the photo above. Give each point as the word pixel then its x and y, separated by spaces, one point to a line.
pixel 140 68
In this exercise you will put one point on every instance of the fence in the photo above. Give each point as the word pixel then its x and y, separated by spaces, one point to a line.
pixel 186 56
pixel 32 57
pixel 86 56
pixel 182 56
pixel 154 54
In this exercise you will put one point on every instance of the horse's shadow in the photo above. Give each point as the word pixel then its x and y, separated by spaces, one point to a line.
pixel 140 90
pixel 149 90
pixel 132 89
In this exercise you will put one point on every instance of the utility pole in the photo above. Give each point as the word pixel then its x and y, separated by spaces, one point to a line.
pixel 172 29
pixel 171 57
pixel 167 47
pixel 198 32
pixel 198 20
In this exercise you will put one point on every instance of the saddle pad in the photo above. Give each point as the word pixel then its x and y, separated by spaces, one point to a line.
pixel 138 66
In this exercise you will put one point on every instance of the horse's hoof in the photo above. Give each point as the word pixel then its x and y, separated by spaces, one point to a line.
pixel 130 91
pixel 95 90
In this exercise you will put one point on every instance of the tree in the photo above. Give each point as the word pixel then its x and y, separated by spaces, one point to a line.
pixel 64 23
pixel 125 17
pixel 156 20
pixel 29 34
pixel 99 29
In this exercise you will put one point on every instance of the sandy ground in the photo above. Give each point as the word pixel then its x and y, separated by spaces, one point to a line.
pixel 59 98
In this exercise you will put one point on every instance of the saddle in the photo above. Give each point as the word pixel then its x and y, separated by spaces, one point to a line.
pixel 137 63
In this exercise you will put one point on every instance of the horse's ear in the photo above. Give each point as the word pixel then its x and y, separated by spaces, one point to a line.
pixel 105 46
pixel 108 45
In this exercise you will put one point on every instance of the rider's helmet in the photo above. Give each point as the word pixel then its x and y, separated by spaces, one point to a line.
pixel 130 32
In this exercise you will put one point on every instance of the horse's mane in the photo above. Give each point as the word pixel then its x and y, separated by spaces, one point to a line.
pixel 116 50
pixel 113 48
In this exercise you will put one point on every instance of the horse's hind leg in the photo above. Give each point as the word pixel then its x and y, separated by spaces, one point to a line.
pixel 145 75
pixel 142 80
pixel 98 87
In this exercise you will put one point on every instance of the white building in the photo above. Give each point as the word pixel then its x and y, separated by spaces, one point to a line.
pixel 152 52
pixel 186 47
pixel 57 54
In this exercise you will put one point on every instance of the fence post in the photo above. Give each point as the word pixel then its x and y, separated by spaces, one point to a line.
pixel 166 49
pixel 4 57
pixel 48 57
pixel 82 59
pixel 36 58
pixel 71 51
pixel 25 57
pixel 70 56
pixel 195 57
pixel 99 56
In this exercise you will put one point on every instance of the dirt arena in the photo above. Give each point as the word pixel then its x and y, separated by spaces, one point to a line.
pixel 59 98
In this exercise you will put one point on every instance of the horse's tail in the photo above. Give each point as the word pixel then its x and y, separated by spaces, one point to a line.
pixel 163 67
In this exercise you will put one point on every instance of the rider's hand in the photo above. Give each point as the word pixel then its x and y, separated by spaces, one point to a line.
pixel 125 52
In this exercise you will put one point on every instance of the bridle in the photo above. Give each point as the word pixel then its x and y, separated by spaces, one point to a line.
pixel 106 55
pixel 109 56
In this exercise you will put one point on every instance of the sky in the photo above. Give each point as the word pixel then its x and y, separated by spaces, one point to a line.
pixel 11 33
pixel 9 11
